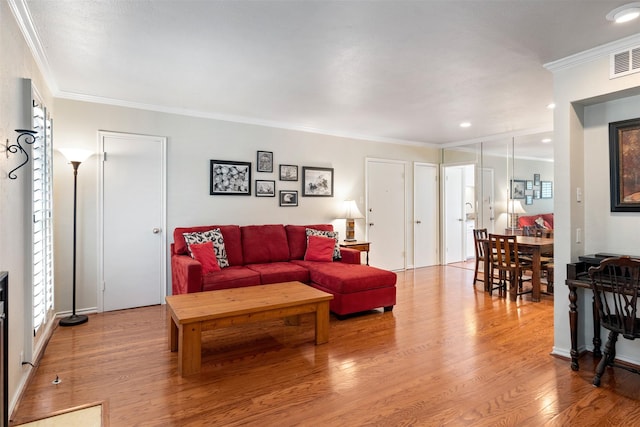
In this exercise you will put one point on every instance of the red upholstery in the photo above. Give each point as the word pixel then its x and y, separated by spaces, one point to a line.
pixel 230 277
pixel 264 243
pixel 276 272
pixel 297 237
pixel 264 254
pixel 230 233
pixel 530 220
pixel 319 249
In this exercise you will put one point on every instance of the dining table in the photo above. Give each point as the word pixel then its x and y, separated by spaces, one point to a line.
pixel 533 246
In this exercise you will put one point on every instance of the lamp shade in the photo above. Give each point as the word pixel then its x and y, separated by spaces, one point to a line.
pixel 515 207
pixel 75 154
pixel 350 210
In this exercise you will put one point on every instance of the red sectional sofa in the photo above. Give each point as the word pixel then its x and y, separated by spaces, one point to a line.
pixel 530 221
pixel 264 254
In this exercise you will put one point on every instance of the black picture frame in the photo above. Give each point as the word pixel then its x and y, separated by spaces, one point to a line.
pixel 264 161
pixel 546 189
pixel 528 200
pixel 517 189
pixel 624 164
pixel 317 182
pixel 288 172
pixel 265 188
pixel 536 179
pixel 529 185
pixel 536 194
pixel 229 178
pixel 288 198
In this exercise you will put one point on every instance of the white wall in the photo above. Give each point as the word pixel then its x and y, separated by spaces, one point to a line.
pixel 192 142
pixel 15 227
pixel 586 101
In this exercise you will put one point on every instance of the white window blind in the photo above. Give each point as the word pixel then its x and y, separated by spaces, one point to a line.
pixel 42 154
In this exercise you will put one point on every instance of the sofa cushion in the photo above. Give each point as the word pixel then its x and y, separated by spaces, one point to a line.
pixel 230 233
pixel 276 272
pixel 319 249
pixel 232 277
pixel 297 238
pixel 205 254
pixel 264 243
pixel 348 278
pixel 331 234
pixel 215 237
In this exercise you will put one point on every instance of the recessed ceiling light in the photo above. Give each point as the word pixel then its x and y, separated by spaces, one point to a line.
pixel 546 140
pixel 551 106
pixel 625 13
pixel 465 124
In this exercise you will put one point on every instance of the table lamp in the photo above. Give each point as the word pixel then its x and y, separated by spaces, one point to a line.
pixel 351 213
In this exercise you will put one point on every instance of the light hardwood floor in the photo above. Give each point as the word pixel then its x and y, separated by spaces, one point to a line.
pixel 448 354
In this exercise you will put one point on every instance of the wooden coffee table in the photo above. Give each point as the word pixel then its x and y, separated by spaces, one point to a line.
pixel 191 314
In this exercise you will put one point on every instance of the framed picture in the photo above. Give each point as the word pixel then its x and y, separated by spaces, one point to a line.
pixel 265 161
pixel 265 188
pixel 536 194
pixel 546 190
pixel 230 178
pixel 624 164
pixel 536 179
pixel 517 189
pixel 288 173
pixel 528 200
pixel 317 182
pixel 529 185
pixel 288 198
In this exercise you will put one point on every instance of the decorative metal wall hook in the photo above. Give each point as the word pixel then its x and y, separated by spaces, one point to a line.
pixel 26 136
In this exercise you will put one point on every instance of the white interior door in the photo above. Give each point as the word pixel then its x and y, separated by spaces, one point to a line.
pixel 454 214
pixel 386 213
pixel 132 184
pixel 425 218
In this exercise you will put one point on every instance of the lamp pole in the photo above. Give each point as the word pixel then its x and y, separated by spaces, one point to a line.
pixel 74 319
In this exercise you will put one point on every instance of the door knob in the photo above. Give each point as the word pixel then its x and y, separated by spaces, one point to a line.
pixel 156 230
pixel 418 222
pixel 370 224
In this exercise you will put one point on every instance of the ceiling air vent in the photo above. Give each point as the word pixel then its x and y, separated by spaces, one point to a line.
pixel 625 63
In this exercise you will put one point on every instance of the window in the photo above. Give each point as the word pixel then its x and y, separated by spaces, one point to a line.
pixel 42 209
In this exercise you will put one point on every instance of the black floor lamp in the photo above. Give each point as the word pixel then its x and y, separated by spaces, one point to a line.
pixel 75 157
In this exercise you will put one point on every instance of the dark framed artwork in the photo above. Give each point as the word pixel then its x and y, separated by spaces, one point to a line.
pixel 265 161
pixel 529 185
pixel 230 178
pixel 288 173
pixel 546 190
pixel 536 194
pixel 317 182
pixel 536 179
pixel 265 188
pixel 517 189
pixel 288 198
pixel 624 165
pixel 528 200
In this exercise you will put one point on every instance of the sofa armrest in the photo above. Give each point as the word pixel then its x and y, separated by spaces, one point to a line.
pixel 186 275
pixel 350 256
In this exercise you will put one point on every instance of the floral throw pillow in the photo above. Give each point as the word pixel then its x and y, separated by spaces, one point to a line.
pixel 214 236
pixel 332 234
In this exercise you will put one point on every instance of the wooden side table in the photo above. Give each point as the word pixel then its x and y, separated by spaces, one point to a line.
pixel 357 245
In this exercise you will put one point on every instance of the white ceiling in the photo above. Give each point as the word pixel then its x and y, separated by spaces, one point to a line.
pixel 384 70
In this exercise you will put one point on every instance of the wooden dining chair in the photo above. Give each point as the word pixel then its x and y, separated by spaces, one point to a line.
pixel 479 235
pixel 506 261
pixel 616 284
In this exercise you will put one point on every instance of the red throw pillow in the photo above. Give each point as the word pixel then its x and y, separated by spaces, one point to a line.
pixel 319 249
pixel 205 255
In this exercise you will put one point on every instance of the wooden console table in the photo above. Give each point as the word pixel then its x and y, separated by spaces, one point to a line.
pixel 357 245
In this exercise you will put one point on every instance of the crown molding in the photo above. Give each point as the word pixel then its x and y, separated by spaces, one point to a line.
pixel 235 119
pixel 25 23
pixel 593 54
